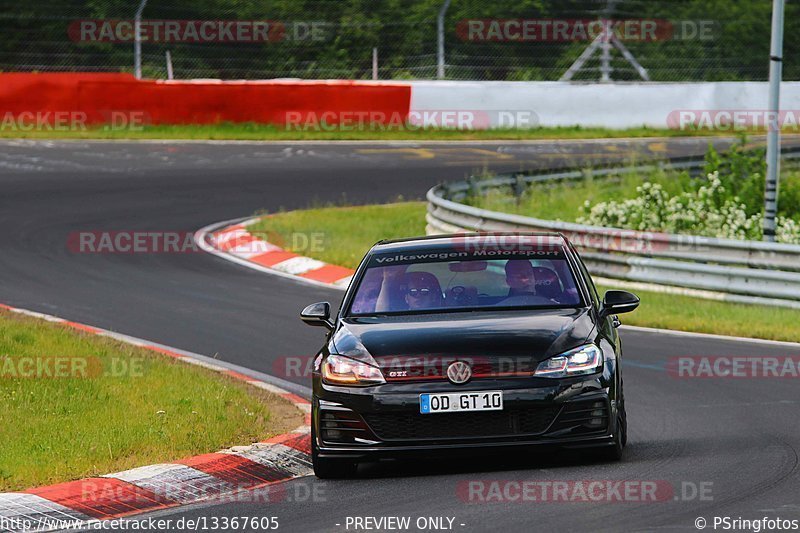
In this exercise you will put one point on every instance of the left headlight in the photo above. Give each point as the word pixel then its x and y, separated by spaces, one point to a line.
pixel 338 370
pixel 586 359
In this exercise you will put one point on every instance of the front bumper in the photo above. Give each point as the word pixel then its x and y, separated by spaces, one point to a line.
pixel 384 421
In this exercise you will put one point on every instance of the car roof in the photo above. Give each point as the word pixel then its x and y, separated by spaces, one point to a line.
pixel 472 240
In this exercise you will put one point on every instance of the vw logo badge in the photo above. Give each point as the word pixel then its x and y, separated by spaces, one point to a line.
pixel 459 372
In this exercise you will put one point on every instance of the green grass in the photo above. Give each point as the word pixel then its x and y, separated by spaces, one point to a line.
pixel 348 232
pixel 340 236
pixel 683 313
pixel 94 423
pixel 562 200
pixel 267 132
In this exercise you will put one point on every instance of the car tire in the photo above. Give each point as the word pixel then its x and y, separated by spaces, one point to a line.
pixel 326 468
pixel 614 452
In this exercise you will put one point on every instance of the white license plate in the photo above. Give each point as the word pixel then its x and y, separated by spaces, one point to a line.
pixel 459 402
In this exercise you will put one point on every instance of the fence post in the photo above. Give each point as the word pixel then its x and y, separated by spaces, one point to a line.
pixel 169 65
pixel 440 40
pixel 137 41
pixel 774 128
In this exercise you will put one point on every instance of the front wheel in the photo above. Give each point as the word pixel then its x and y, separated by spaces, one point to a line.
pixel 614 452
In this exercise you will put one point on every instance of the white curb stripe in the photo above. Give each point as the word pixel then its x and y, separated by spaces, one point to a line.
pixel 34 314
pixel 277 456
pixel 267 387
pixel 209 366
pixel 298 265
pixel 253 248
pixel 41 513
pixel 179 483
pixel 343 283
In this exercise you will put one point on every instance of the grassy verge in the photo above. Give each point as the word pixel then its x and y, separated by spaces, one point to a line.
pixel 346 233
pixel 563 200
pixel 267 132
pixel 96 406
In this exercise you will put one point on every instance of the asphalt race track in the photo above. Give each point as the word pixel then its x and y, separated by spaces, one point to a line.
pixel 728 447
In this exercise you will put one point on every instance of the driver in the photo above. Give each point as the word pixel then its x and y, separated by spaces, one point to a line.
pixel 520 278
pixel 423 291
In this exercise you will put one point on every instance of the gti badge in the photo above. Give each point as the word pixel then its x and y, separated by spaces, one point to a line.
pixel 459 372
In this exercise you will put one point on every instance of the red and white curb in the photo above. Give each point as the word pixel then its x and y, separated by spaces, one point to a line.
pixel 233 241
pixel 222 474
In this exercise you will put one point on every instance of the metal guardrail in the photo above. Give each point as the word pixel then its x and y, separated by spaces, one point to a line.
pixel 743 271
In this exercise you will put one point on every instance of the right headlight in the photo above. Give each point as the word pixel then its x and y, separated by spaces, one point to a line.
pixel 339 370
pixel 586 359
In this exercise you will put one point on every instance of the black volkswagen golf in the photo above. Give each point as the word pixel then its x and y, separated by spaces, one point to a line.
pixel 467 343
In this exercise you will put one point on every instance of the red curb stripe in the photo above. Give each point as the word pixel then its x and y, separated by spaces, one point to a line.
pixel 301 443
pixel 241 472
pixel 269 259
pixel 82 327
pixel 102 497
pixel 328 273
pixel 239 375
pixel 170 353
pixel 298 441
pixel 4 306
pixel 278 439
pixel 293 397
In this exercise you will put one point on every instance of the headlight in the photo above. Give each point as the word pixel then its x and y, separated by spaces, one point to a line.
pixel 584 360
pixel 338 370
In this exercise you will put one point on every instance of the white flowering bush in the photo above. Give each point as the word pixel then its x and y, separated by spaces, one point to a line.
pixel 710 210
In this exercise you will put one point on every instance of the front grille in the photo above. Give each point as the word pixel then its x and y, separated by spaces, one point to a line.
pixel 414 426
pixel 403 368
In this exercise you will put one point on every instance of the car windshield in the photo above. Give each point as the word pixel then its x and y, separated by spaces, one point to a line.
pixel 391 286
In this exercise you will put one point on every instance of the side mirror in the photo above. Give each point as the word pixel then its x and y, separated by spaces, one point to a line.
pixel 318 314
pixel 617 302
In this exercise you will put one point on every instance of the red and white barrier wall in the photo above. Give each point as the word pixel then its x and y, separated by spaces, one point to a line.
pixel 197 101
pixel 355 104
pixel 621 105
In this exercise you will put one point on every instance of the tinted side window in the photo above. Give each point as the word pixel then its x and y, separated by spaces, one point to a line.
pixel 587 277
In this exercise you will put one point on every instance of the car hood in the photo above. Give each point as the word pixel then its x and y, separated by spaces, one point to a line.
pixel 538 334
